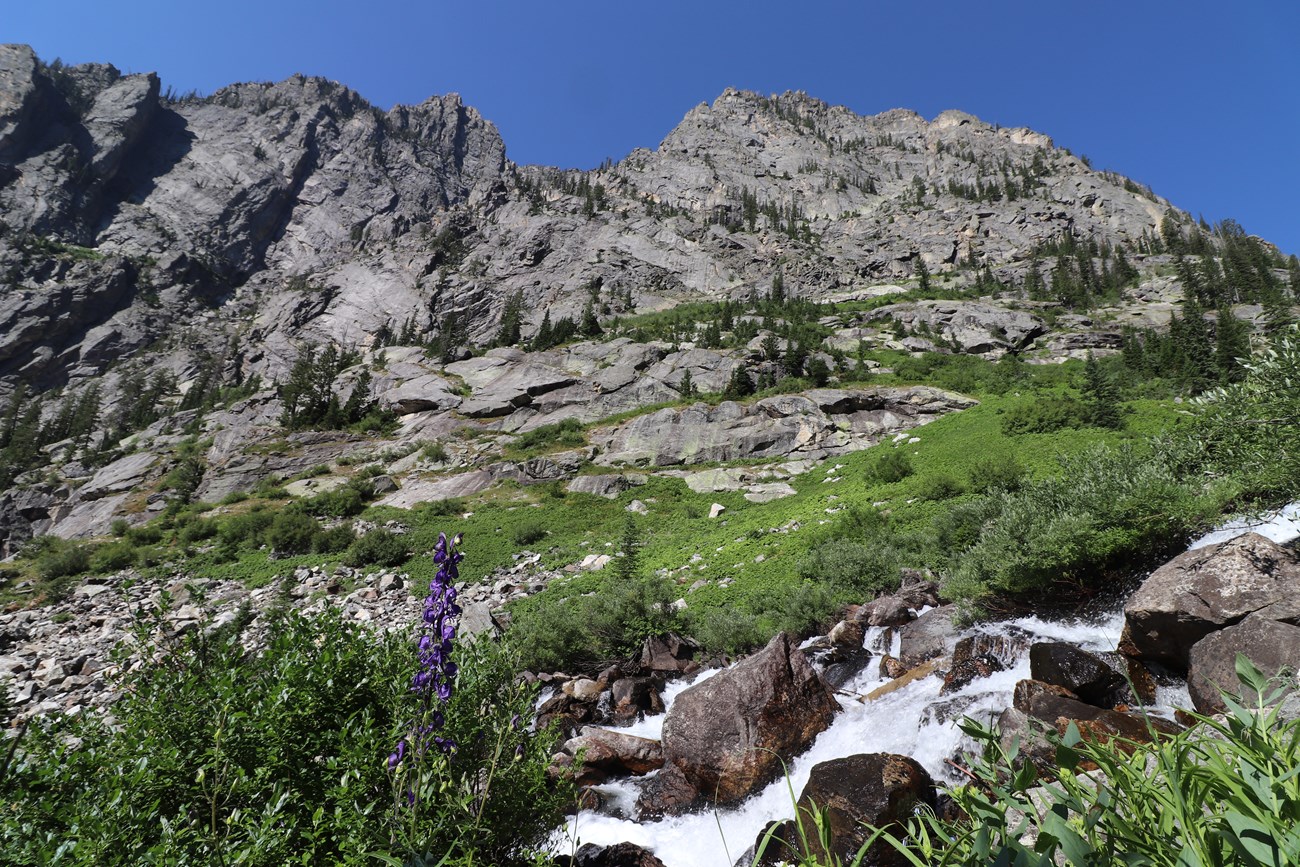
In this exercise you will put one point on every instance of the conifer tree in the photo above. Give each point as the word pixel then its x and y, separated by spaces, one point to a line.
pixel 512 317
pixel 740 385
pixel 1231 346
pixel 1100 396
pixel 687 386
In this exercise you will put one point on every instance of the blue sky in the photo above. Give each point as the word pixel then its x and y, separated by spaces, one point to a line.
pixel 1201 100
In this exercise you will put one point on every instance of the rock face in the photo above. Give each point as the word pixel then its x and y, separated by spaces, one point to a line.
pixel 1202 591
pixel 729 734
pixel 816 424
pixel 207 240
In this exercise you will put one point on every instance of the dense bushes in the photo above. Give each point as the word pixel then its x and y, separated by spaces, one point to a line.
pixel 893 465
pixel 1107 509
pixel 219 756
pixel 378 548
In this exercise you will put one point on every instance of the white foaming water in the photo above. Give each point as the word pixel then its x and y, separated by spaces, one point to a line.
pixel 913 720
pixel 1281 526
pixel 653 726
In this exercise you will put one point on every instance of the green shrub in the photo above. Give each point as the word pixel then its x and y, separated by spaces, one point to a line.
pixel 378 548
pixel 1219 793
pixel 567 433
pixel 853 566
pixel 292 532
pixel 59 558
pixel 113 557
pixel 1108 509
pixel 939 486
pixel 893 465
pixel 451 506
pixel 146 534
pixel 196 530
pixel 996 472
pixel 1044 415
pixel 246 528
pixel 342 502
pixel 528 533
pixel 119 527
pixel 333 540
pixel 434 452
pixel 233 497
pixel 220 756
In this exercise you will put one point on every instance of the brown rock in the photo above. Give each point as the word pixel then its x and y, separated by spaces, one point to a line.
pixel 730 733
pixel 606 754
pixel 1271 645
pixel 1086 675
pixel 670 653
pixel 876 789
pixel 667 793
pixel 1202 591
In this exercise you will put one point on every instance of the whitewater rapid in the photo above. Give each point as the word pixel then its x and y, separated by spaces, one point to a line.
pixel 913 720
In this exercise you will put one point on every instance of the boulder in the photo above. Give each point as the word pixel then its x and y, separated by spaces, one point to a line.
pixel 875 789
pixel 669 653
pixel 1272 645
pixel 886 611
pixel 930 635
pixel 1058 707
pixel 667 793
pixel 606 754
pixel 730 734
pixel 1087 676
pixel 606 485
pixel 635 696
pixel 618 855
pixel 1204 590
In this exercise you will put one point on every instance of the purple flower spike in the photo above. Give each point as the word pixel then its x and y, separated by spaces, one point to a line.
pixel 434 680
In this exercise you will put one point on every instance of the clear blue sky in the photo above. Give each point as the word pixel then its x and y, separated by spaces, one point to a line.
pixel 1199 99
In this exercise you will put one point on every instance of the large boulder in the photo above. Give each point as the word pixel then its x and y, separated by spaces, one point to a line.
pixel 931 635
pixel 1270 644
pixel 730 734
pixel 1202 591
pixel 1086 675
pixel 875 789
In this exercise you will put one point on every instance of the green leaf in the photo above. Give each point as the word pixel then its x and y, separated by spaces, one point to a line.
pixel 1252 840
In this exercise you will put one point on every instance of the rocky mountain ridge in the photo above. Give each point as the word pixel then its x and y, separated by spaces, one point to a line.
pixel 175 252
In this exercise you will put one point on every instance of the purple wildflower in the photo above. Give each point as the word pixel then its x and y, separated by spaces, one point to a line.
pixel 434 680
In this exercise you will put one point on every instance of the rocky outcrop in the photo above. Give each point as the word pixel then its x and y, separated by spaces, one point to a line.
pixel 816 424
pixel 618 855
pixel 1203 591
pixel 971 327
pixel 729 734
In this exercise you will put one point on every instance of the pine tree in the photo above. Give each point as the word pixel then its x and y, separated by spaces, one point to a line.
pixel 1231 346
pixel 922 274
pixel 1192 342
pixel 1100 396
pixel 687 386
pixel 512 317
pixel 544 338
pixel 627 567
pixel 589 327
pixel 740 385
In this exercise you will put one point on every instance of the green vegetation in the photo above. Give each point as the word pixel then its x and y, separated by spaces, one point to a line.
pixel 219 756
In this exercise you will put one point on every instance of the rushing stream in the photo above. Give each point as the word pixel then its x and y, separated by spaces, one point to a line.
pixel 913 720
